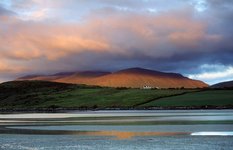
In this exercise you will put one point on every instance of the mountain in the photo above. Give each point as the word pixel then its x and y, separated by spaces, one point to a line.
pixel 85 77
pixel 132 77
pixel 227 84
pixel 67 76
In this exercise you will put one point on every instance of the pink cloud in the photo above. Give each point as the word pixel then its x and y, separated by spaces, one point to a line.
pixel 7 67
pixel 124 34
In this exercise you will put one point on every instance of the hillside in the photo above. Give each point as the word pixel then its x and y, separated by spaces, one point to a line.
pixel 43 95
pixel 133 77
pixel 207 98
pixel 228 84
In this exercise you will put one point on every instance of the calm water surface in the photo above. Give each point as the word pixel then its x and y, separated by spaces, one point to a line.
pixel 116 130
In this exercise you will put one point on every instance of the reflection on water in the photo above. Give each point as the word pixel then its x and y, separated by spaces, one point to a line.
pixel 129 135
pixel 107 133
pixel 123 132
pixel 117 130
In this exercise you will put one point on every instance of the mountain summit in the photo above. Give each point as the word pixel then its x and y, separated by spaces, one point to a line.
pixel 132 77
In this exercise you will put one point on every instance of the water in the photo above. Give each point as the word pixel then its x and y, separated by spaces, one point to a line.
pixel 116 130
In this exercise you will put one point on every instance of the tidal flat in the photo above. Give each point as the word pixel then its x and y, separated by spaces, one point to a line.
pixel 114 130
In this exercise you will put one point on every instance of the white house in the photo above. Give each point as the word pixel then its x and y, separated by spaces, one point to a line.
pixel 146 87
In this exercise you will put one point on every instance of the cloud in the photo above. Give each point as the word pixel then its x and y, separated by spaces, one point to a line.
pixel 5 12
pixel 31 41
pixel 107 34
pixel 214 73
pixel 10 67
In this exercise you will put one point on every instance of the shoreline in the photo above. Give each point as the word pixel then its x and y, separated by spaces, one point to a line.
pixel 63 110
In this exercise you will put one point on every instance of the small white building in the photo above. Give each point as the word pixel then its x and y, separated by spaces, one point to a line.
pixel 146 87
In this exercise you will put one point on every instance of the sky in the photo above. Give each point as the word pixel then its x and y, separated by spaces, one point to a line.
pixel 191 37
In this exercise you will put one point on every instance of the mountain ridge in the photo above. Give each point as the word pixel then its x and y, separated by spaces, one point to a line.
pixel 226 84
pixel 130 77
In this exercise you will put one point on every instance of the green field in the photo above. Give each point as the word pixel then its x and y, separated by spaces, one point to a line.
pixel 202 98
pixel 50 95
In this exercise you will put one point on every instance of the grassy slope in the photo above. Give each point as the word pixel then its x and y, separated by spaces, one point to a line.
pixel 107 97
pixel 42 94
pixel 203 98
